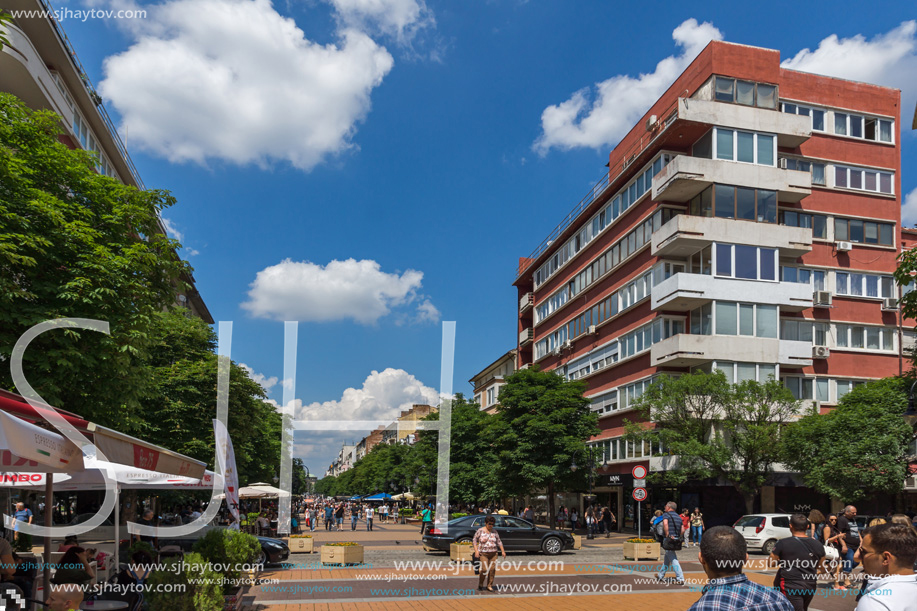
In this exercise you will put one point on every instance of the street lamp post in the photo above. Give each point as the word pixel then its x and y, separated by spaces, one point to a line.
pixel 590 464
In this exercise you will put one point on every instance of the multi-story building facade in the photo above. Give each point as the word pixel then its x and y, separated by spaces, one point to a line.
pixel 40 67
pixel 487 383
pixel 749 223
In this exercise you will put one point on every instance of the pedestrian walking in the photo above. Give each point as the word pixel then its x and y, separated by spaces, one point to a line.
pixel 800 558
pixel 339 517
pixel 385 513
pixel 529 514
pixel 722 554
pixel 354 516
pixel 686 524
pixel 369 517
pixel 22 515
pixel 600 521
pixel 561 517
pixel 590 523
pixel 697 526
pixel 426 520
pixel 611 523
pixel 834 539
pixel 846 523
pixel 329 517
pixel 574 518
pixel 888 553
pixel 486 541
pixel 671 543
pixel 816 524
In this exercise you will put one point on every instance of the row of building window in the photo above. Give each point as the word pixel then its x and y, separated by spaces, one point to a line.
pixel 611 450
pixel 623 200
pixel 731 202
pixel 614 256
pixel 845 229
pixel 841 336
pixel 845 123
pixel 747 93
pixel 735 145
pixel 732 318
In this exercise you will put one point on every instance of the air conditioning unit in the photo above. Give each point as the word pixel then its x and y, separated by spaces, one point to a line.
pixel 782 163
pixel 526 366
pixel 820 352
pixel 568 344
pixel 593 330
pixel 844 247
pixel 651 122
pixel 890 304
pixel 557 351
pixel 821 298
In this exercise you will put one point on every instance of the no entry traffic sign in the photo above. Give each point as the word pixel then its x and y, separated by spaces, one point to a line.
pixel 639 472
pixel 639 494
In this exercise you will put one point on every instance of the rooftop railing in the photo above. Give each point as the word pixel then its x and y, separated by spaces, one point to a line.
pixel 613 173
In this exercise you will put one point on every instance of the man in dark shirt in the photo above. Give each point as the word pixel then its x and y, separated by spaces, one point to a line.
pixel 800 559
pixel 847 525
pixel 147 520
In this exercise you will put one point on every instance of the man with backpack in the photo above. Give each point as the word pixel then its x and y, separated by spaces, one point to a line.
pixel 671 533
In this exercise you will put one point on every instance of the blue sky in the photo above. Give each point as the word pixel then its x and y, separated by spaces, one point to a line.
pixel 374 167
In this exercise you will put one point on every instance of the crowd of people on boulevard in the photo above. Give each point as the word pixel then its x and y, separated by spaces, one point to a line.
pixel 819 546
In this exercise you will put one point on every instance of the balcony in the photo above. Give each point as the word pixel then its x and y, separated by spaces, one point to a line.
pixel 683 292
pixel 24 74
pixel 791 130
pixel 685 234
pixel 686 350
pixel 687 176
pixel 526 336
pixel 527 301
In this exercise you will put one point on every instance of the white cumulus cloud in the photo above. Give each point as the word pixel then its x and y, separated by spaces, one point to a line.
pixel 235 81
pixel 888 59
pixel 909 209
pixel 351 289
pixel 383 396
pixel 171 230
pixel 600 118
pixel 401 19
pixel 266 382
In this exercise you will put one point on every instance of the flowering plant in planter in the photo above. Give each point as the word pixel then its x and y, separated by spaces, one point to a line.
pixel 342 544
pixel 636 540
pixel 463 542
pixel 301 537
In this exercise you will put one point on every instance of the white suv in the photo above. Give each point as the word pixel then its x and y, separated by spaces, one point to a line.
pixel 763 530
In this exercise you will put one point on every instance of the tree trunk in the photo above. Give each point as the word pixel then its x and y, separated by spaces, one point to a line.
pixel 551 512
pixel 749 498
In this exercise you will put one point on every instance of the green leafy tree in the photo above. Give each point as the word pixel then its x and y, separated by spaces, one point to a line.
pixel 542 420
pixel 472 476
pixel 300 483
pixel 5 19
pixel 180 406
pixel 326 485
pixel 75 243
pixel 859 448
pixel 711 428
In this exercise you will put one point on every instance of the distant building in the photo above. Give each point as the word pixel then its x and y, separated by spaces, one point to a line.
pixel 487 383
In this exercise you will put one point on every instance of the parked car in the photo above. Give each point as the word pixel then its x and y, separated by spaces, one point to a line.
pixel 272 551
pixel 517 535
pixel 762 530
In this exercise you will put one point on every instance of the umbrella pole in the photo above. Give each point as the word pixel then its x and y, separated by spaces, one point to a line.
pixel 116 566
pixel 49 522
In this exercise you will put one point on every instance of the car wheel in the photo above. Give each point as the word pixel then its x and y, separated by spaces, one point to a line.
pixel 463 540
pixel 262 558
pixel 552 546
pixel 768 548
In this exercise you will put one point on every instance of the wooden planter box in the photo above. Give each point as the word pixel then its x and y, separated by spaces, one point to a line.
pixel 641 551
pixel 301 545
pixel 342 554
pixel 233 601
pixel 577 542
pixel 461 553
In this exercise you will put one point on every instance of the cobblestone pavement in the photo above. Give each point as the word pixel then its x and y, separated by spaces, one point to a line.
pixel 593 577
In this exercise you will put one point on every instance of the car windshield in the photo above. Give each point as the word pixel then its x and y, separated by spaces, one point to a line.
pixel 751 521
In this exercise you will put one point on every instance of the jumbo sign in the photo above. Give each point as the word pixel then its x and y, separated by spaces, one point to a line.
pixel 21 478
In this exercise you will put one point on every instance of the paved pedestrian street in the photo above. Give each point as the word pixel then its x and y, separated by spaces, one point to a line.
pixel 398 575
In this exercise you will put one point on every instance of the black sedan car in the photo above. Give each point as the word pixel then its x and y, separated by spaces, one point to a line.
pixel 272 551
pixel 517 535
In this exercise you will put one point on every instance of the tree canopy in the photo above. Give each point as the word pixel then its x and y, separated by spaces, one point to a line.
pixel 713 429
pixel 856 449
pixel 76 243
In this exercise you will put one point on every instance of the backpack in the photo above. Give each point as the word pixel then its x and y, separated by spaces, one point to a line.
pixel 659 529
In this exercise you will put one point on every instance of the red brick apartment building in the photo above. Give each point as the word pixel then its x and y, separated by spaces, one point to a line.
pixel 749 222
